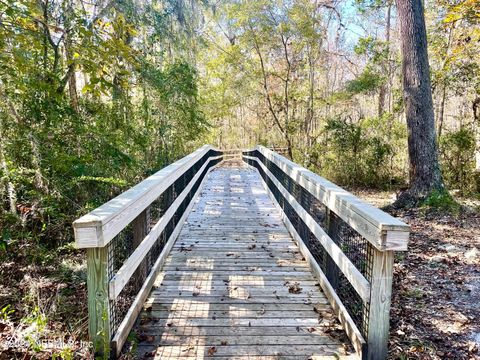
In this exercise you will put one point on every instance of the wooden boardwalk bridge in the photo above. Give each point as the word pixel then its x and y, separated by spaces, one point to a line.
pixel 262 260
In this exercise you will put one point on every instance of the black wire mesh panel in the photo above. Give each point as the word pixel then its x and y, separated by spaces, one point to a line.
pixel 358 249
pixel 119 249
pixel 122 246
pixel 354 246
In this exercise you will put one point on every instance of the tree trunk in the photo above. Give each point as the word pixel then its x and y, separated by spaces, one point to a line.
pixel 386 66
pixel 72 80
pixel 45 35
pixel 36 162
pixel 309 124
pixel 476 126
pixel 12 195
pixel 381 99
pixel 441 112
pixel 283 129
pixel 425 173
pixel 72 90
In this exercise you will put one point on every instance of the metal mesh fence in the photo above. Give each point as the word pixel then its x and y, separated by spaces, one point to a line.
pixel 122 246
pixel 354 246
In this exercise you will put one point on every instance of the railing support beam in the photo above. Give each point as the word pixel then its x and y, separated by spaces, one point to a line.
pixel 379 312
pixel 98 302
pixel 332 270
pixel 140 230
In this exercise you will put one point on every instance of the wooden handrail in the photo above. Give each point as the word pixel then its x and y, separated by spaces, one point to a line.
pixel 226 151
pixel 358 281
pixel 384 232
pixel 98 227
pixel 124 274
pixel 96 230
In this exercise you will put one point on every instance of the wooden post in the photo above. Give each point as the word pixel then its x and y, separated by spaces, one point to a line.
pixel 331 269
pixel 98 302
pixel 140 230
pixel 380 296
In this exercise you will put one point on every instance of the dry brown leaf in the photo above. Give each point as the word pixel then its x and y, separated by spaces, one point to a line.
pixel 212 350
pixel 295 288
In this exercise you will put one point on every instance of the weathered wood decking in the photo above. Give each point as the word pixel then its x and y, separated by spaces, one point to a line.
pixel 235 284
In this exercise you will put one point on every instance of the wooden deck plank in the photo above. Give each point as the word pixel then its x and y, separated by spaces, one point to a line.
pixel 237 331
pixel 228 314
pixel 254 309
pixel 242 282
pixel 228 300
pixel 260 275
pixel 201 350
pixel 258 339
pixel 237 282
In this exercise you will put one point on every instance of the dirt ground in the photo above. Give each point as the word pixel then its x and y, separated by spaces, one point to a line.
pixel 43 305
pixel 436 292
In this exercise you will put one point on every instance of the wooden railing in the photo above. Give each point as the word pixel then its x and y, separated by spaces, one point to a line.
pixel 348 243
pixel 232 154
pixel 236 154
pixel 127 240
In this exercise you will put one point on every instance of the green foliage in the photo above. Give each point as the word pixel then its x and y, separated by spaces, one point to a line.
pixel 4 240
pixel 366 5
pixel 175 90
pixel 5 312
pixel 263 66
pixel 457 150
pixel 356 156
pixel 36 318
pixel 375 50
pixel 367 82
pixel 109 181
pixel 69 147
pixel 65 354
pixel 441 200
